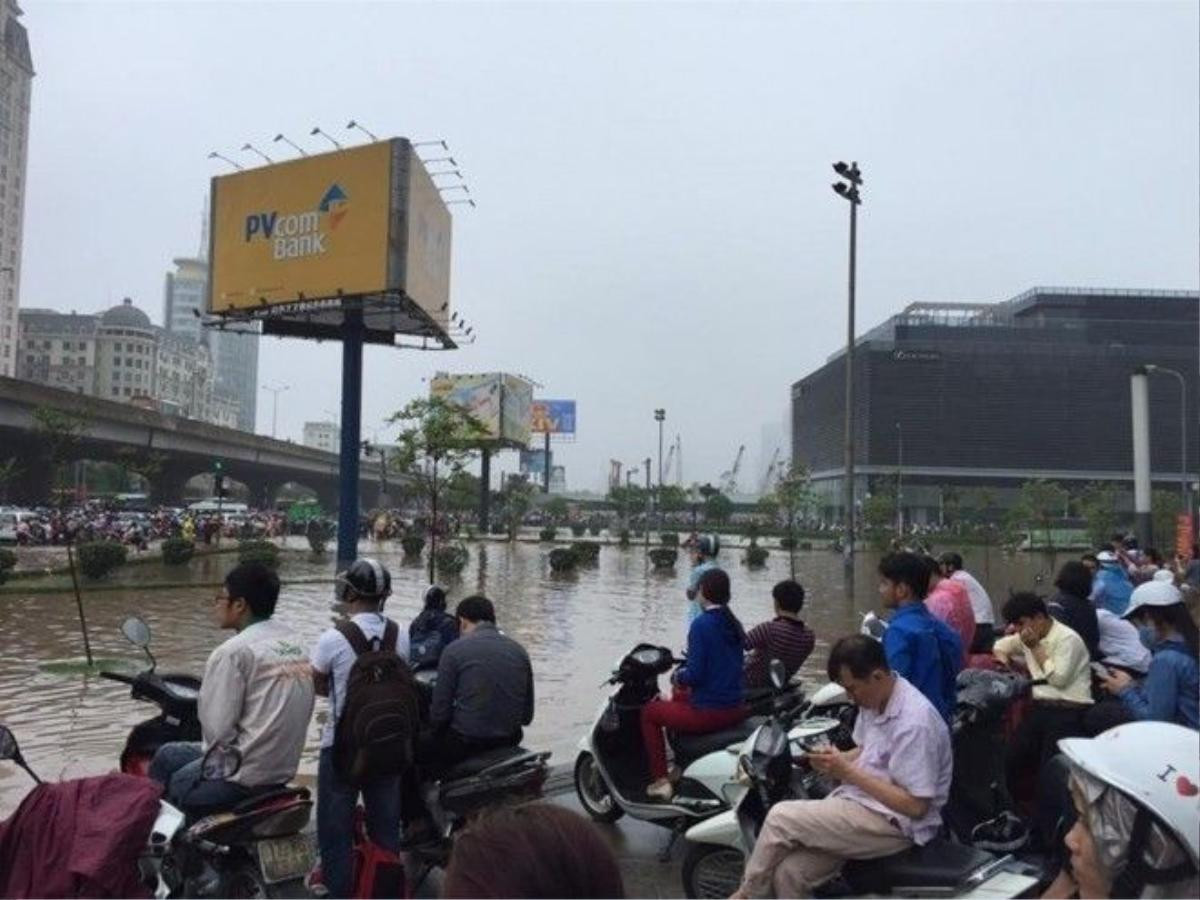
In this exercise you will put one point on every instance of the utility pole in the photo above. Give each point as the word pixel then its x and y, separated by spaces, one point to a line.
pixel 660 416
pixel 899 481
pixel 848 190
pixel 1184 499
pixel 275 391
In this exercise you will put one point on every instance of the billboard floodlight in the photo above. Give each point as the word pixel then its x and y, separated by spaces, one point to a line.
pixel 352 125
pixel 216 155
pixel 317 130
pixel 248 146
pixel 287 140
pixel 441 159
pixel 437 143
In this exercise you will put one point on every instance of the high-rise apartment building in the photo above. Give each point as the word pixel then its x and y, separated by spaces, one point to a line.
pixel 16 74
pixel 234 350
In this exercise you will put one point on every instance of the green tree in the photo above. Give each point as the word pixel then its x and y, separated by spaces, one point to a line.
pixel 1039 504
pixel 461 491
pixel 1165 506
pixel 672 498
pixel 627 500
pixel 951 507
pixel 717 508
pixel 145 464
pixel 879 517
pixel 60 434
pixel 556 509
pixel 795 500
pixel 516 500
pixel 10 471
pixel 1097 506
pixel 436 440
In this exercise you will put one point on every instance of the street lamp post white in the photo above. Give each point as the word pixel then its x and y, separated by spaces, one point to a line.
pixel 276 391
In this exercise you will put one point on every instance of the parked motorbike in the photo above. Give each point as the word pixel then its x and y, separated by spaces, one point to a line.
pixel 255 849
pixel 771 762
pixel 611 770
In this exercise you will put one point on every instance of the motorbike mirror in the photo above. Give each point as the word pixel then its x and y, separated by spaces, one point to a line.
pixel 8 744
pixel 220 763
pixel 136 632
pixel 778 673
pixel 10 750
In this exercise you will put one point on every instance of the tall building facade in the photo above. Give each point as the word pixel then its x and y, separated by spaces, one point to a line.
pixel 16 77
pixel 973 397
pixel 234 350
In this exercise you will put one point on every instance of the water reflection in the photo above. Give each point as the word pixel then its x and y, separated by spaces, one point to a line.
pixel 574 628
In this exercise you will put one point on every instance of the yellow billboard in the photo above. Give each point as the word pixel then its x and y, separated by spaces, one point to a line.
pixel 363 221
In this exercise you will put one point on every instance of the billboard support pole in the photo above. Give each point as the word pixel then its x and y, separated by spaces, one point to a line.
pixel 352 349
pixel 546 471
pixel 485 491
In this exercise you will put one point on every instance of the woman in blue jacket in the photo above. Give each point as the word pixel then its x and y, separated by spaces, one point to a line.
pixel 710 698
pixel 1170 691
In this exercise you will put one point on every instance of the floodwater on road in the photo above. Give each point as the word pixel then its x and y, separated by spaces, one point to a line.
pixel 575 627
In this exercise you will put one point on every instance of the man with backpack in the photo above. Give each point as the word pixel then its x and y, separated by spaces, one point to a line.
pixel 367 741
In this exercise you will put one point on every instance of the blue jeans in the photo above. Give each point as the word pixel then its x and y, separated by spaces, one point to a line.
pixel 176 766
pixel 335 821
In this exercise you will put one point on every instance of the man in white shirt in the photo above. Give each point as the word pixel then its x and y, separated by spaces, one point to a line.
pixel 256 697
pixel 1060 666
pixel 893 784
pixel 364 587
pixel 981 603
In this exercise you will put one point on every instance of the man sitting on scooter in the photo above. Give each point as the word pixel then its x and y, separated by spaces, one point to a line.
pixel 894 783
pixel 256 697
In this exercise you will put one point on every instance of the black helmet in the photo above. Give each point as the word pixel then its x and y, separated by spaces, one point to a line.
pixel 368 578
pixel 435 597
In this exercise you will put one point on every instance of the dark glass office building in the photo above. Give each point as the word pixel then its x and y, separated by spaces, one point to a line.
pixel 979 396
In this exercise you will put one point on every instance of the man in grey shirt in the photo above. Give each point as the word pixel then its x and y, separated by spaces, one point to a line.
pixel 484 692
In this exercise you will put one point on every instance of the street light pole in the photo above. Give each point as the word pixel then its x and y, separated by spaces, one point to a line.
pixel 275 391
pixel 660 416
pixel 848 190
pixel 899 481
pixel 1183 407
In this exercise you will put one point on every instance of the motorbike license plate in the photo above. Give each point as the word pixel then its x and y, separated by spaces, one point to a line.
pixel 283 858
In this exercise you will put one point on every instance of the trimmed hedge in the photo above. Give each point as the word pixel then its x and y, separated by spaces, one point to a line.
pixel 8 560
pixel 413 544
pixel 451 560
pixel 664 557
pixel 260 552
pixel 578 529
pixel 623 540
pixel 587 551
pixel 177 551
pixel 98 558
pixel 548 533
pixel 756 556
pixel 563 559
pixel 669 538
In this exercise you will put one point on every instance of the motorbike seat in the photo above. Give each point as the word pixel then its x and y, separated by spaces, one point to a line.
pixel 689 747
pixel 476 764
pixel 940 865
pixel 269 795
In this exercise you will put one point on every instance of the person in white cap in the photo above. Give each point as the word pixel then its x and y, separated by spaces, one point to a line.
pixel 1136 795
pixel 1171 689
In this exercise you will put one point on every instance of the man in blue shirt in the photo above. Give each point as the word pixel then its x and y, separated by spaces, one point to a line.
pixel 1111 587
pixel 919 647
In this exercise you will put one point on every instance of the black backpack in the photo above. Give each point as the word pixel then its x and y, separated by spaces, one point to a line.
pixel 380 716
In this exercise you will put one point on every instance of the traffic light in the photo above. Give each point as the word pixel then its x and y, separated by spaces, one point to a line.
pixel 219 485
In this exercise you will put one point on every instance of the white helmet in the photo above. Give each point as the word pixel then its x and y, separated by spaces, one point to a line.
pixel 1154 768
pixel 1152 593
pixel 1164 575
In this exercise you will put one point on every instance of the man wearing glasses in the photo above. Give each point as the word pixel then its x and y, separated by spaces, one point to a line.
pixel 257 697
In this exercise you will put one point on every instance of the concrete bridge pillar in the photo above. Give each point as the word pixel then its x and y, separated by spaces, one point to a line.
pixel 167 487
pixel 34 481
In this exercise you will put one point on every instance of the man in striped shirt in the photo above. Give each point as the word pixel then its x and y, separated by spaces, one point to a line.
pixel 785 637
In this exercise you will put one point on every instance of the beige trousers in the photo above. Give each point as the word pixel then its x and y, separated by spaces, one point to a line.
pixel 805 842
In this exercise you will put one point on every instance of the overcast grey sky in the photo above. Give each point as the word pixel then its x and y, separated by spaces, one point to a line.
pixel 655 225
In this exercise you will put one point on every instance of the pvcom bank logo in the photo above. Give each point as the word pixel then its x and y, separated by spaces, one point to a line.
pixel 295 235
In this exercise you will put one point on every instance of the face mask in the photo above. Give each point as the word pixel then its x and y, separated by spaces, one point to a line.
pixel 1148 636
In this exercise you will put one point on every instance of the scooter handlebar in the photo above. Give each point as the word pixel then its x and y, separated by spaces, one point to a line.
pixel 116 676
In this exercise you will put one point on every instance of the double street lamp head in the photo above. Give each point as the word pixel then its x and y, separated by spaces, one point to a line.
pixel 853 175
pixel 660 415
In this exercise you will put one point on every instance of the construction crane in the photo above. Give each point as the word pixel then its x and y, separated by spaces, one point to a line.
pixel 729 479
pixel 666 476
pixel 769 477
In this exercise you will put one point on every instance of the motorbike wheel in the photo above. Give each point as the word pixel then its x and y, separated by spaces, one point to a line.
pixel 711 870
pixel 245 882
pixel 593 793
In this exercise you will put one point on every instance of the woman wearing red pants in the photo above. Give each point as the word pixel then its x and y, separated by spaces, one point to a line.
pixel 708 694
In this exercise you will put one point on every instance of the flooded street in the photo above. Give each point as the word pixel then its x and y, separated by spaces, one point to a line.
pixel 574 628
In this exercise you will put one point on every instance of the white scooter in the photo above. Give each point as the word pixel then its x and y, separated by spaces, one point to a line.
pixel 769 761
pixel 611 771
